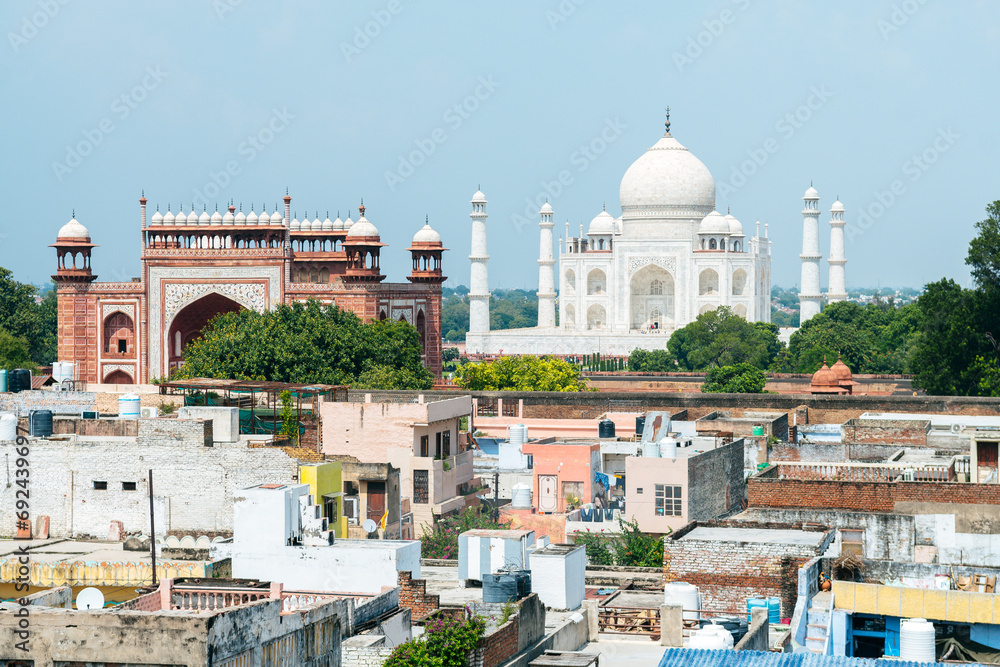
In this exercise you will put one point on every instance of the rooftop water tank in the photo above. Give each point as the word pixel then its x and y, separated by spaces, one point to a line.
pixel 504 587
pixel 8 427
pixel 668 448
pixel 684 594
pixel 758 430
pixel 709 638
pixel 916 640
pixel 40 423
pixel 640 425
pixel 755 603
pixel 19 380
pixel 3 379
pixel 517 434
pixel 605 428
pixel 651 449
pixel 521 496
pixel 128 406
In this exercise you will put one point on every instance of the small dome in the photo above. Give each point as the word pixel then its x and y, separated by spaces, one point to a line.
pixel 157 219
pixel 426 234
pixel 216 218
pixel 478 198
pixel 841 370
pixel 362 228
pixel 735 226
pixel 305 225
pixel 811 193
pixel 837 207
pixel 228 218
pixel 295 225
pixel 714 223
pixel 338 224
pixel 180 218
pixel 546 208
pixel 317 224
pixel 73 230
pixel 348 223
pixel 168 219
pixel 328 224
pixel 603 224
pixel 241 219
pixel 277 218
pixel 824 377
pixel 204 218
pixel 252 218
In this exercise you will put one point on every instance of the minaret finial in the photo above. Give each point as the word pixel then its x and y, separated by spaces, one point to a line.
pixel 427 219
pixel 667 123
pixel 74 213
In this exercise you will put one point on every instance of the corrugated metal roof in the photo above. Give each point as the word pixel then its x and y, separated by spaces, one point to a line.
pixel 680 657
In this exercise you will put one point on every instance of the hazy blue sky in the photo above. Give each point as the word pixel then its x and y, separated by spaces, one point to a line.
pixel 162 96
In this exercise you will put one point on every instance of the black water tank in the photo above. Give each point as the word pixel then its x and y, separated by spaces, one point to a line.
pixel 20 380
pixel 640 425
pixel 501 587
pixel 40 423
pixel 523 578
pixel 606 429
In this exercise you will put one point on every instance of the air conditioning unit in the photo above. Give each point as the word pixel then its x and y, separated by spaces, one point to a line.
pixel 151 412
pixel 351 510
pixel 90 414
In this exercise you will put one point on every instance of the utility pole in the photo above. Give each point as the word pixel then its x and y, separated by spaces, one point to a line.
pixel 152 529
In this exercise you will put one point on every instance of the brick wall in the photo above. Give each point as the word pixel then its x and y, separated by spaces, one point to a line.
pixel 728 572
pixel 864 496
pixel 60 402
pixel 900 432
pixel 413 595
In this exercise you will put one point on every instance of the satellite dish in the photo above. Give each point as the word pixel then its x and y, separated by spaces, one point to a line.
pixel 369 526
pixel 90 598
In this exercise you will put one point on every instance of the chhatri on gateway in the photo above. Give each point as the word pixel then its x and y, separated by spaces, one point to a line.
pixel 628 282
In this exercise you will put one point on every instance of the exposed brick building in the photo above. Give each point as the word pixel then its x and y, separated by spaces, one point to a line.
pixel 196 266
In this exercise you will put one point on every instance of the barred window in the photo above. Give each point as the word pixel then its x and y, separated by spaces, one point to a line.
pixel 420 486
pixel 668 500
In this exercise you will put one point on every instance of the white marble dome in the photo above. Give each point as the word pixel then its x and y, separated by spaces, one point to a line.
pixel 426 234
pixel 837 207
pixel 811 193
pixel 216 218
pixel 478 198
pixel 338 224
pixel 180 218
pixel 241 218
pixel 277 218
pixel 204 218
pixel 73 230
pixel 362 228
pixel 546 208
pixel 735 226
pixel 157 219
pixel 714 223
pixel 252 218
pixel 667 181
pixel 228 218
pixel 602 225
pixel 328 224
pixel 168 218
pixel 295 225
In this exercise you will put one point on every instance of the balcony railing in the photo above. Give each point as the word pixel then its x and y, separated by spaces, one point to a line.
pixel 867 472
pixel 209 599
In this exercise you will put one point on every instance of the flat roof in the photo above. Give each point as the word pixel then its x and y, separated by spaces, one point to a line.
pixel 509 534
pixel 805 538
pixel 556 550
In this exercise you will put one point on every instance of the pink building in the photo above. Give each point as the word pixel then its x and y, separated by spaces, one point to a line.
pixel 564 468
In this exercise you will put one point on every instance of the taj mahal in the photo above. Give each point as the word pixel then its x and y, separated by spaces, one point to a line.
pixel 628 282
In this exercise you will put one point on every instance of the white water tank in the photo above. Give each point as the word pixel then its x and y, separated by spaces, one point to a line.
pixel 521 496
pixel 709 638
pixel 668 448
pixel 67 370
pixel 720 630
pixel 128 406
pixel 517 434
pixel 651 449
pixel 8 426
pixel 686 595
pixel 916 640
pixel 57 371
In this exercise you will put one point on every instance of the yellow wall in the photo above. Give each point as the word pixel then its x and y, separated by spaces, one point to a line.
pixel 324 478
pixel 955 606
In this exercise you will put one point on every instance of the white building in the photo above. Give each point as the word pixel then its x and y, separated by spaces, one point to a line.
pixel 629 282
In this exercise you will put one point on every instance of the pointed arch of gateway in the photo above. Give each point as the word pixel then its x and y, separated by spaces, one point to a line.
pixel 190 320
pixel 651 298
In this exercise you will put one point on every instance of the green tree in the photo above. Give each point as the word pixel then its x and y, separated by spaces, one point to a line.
pixel 14 352
pixel 34 322
pixel 651 361
pixel 525 373
pixel 984 251
pixel 721 338
pixel 738 379
pixel 449 354
pixel 289 424
pixel 308 343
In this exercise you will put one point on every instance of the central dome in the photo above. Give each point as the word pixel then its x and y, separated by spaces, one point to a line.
pixel 667 181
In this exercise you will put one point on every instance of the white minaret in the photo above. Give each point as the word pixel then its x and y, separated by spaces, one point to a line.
pixel 546 272
pixel 810 296
pixel 479 280
pixel 837 290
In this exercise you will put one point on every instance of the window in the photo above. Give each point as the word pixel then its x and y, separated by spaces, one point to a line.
pixel 437 445
pixel 122 346
pixel 638 490
pixel 420 487
pixel 330 512
pixel 128 486
pixel 668 500
pixel 424 443
pixel 655 286
pixel 100 486
pixel 446 443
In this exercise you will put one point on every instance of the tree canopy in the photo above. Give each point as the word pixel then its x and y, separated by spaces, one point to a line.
pixel 509 309
pixel 651 361
pixel 721 338
pixel 309 343
pixel 740 378
pixel 34 323
pixel 14 352
pixel 525 373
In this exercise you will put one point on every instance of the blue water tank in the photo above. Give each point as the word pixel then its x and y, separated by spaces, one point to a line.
pixel 3 379
pixel 40 423
pixel 754 603
pixel 774 610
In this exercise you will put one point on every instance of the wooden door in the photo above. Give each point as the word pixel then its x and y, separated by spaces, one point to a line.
pixel 548 497
pixel 376 500
pixel 987 454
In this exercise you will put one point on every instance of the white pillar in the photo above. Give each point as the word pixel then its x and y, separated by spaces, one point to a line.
pixel 479 281
pixel 810 295
pixel 546 271
pixel 838 280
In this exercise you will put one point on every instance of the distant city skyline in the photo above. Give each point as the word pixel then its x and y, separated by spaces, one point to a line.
pixel 412 107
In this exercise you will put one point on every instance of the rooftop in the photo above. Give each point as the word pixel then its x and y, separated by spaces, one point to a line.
pixel 810 538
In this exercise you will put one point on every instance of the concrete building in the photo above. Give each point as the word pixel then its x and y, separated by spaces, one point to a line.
pixel 420 439
pixel 281 536
pixel 325 481
pixel 563 472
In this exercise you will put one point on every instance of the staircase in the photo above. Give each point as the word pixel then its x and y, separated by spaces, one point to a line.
pixel 818 622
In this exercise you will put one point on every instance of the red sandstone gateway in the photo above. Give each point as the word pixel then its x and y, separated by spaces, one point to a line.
pixel 196 266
